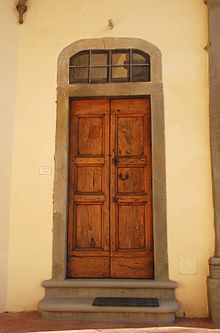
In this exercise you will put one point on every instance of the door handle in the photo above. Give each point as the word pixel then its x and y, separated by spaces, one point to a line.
pixel 124 177
pixel 114 199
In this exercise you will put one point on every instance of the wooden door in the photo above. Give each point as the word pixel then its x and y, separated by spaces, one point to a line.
pixel 110 210
pixel 88 230
pixel 131 220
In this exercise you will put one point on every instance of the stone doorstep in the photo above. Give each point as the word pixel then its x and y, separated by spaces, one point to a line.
pixel 89 288
pixel 61 308
pixel 110 283
pixel 64 303
pixel 59 304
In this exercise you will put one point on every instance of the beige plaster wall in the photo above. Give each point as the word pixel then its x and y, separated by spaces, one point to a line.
pixel 179 29
pixel 8 70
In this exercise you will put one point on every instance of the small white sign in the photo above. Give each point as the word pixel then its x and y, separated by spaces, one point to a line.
pixel 188 266
pixel 45 170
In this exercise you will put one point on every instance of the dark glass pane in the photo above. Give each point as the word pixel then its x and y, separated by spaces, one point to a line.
pixel 79 75
pixel 120 58
pixel 80 59
pixel 140 73
pixel 99 58
pixel 139 57
pixel 120 74
pixel 98 74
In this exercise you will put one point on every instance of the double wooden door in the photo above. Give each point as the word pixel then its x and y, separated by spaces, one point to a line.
pixel 110 199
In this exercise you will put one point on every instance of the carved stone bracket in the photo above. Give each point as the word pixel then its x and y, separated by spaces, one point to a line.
pixel 21 8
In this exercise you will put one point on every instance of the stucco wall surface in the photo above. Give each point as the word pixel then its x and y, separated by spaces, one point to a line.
pixel 8 70
pixel 179 29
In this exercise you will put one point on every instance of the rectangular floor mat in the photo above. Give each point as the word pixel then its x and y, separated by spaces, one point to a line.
pixel 125 301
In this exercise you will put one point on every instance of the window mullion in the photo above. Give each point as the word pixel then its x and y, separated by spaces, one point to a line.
pixel 110 66
pixel 130 66
pixel 89 66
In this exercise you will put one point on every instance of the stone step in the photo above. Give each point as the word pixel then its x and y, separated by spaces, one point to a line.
pixel 81 309
pixel 90 288
pixel 71 299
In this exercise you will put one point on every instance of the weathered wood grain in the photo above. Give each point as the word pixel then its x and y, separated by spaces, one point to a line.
pixel 110 201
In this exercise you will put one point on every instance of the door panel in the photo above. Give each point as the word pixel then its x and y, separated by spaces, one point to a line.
pixel 88 179
pixel 110 213
pixel 129 135
pixel 132 268
pixel 90 135
pixel 131 218
pixel 88 226
pixel 130 180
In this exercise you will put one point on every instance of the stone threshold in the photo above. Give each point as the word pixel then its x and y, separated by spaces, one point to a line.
pixel 110 283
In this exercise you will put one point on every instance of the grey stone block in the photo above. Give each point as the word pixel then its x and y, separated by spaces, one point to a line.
pixel 214 299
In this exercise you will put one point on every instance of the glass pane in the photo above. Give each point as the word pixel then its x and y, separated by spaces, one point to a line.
pixel 140 73
pixel 99 74
pixel 99 59
pixel 139 57
pixel 79 75
pixel 80 59
pixel 120 74
pixel 120 58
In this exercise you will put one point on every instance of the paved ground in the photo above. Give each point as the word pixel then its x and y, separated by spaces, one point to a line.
pixel 32 322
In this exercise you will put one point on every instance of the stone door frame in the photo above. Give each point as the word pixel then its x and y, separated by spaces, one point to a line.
pixel 65 91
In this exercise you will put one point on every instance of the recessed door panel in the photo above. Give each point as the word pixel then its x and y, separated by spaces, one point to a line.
pixel 130 227
pixel 88 226
pixel 89 179
pixel 130 180
pixel 90 135
pixel 130 135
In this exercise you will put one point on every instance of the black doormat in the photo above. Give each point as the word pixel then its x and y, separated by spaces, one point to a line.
pixel 125 301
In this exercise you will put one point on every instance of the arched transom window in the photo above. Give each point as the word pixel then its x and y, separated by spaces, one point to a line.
pixel 104 66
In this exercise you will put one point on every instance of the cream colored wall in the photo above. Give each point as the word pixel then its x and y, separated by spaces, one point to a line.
pixel 178 28
pixel 8 69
